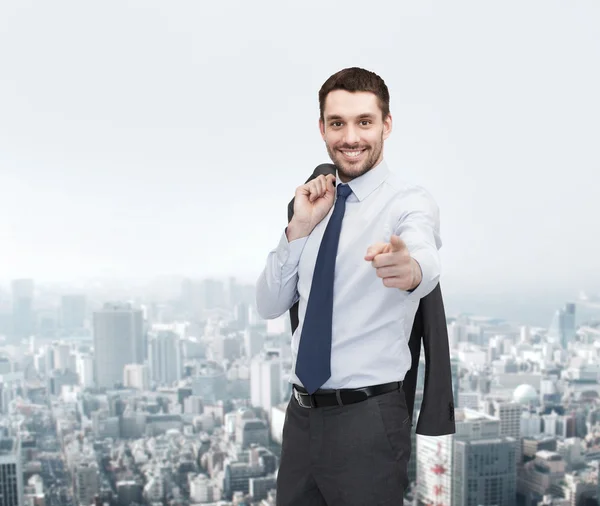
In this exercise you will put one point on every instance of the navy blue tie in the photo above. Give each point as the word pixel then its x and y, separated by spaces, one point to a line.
pixel 313 364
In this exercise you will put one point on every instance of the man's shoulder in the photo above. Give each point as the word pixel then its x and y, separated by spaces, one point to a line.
pixel 323 169
pixel 402 187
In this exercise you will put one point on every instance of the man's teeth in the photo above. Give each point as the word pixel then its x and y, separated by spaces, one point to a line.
pixel 352 153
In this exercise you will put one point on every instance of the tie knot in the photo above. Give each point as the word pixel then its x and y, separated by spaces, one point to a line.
pixel 343 190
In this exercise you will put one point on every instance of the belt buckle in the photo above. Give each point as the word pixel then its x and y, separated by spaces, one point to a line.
pixel 298 396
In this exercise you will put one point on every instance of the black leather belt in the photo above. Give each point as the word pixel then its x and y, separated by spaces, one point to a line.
pixel 322 398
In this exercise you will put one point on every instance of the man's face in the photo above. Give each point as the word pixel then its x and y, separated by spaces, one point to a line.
pixel 354 131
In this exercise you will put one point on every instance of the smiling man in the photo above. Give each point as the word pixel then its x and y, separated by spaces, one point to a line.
pixel 359 253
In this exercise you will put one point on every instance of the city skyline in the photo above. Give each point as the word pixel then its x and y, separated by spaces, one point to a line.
pixel 217 400
pixel 518 308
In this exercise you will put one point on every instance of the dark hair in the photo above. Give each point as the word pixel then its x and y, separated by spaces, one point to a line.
pixel 356 79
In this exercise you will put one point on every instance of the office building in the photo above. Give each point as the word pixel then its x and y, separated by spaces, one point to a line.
pixel 11 473
pixel 118 341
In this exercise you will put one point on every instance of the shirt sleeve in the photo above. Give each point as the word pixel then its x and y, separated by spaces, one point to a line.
pixel 276 288
pixel 419 228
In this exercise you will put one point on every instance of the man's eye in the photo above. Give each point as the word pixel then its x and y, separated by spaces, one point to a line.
pixel 336 123
pixel 365 122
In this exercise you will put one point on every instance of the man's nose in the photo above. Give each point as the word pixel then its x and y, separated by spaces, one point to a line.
pixel 351 136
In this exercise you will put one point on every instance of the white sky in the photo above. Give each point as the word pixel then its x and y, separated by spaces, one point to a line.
pixel 149 138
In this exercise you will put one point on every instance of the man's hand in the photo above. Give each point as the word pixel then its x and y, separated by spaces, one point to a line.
pixel 394 264
pixel 312 202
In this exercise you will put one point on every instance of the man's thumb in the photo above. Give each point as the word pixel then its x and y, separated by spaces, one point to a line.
pixel 397 243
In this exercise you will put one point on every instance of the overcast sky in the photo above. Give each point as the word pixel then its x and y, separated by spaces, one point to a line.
pixel 149 138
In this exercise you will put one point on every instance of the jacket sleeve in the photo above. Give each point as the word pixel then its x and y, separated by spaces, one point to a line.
pixel 436 417
pixel 409 385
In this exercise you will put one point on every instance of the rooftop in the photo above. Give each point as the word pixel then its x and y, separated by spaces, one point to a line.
pixel 548 455
pixel 7 446
pixel 486 441
pixel 471 415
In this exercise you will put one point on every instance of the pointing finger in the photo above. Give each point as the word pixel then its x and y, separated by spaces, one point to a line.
pixel 397 243
pixel 375 250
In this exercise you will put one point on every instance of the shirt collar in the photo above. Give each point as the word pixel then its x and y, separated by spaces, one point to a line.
pixel 363 185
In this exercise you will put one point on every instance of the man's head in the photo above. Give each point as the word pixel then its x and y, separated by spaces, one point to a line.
pixel 355 119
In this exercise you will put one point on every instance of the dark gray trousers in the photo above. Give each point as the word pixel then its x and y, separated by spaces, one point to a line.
pixel 354 455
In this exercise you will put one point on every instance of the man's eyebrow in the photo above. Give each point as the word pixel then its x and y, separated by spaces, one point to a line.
pixel 368 115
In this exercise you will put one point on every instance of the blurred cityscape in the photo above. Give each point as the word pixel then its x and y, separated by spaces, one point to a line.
pixel 176 395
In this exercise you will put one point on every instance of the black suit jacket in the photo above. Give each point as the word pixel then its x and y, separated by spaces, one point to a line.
pixel 436 416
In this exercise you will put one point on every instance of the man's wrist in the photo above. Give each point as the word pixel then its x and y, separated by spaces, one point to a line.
pixel 417 274
pixel 296 231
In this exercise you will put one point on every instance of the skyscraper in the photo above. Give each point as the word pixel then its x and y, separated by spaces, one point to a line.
pixel 471 467
pixel 22 308
pixel 73 312
pixel 11 474
pixel 562 328
pixel 484 472
pixel 86 482
pixel 509 414
pixel 455 368
pixel 164 357
pixel 265 381
pixel 118 340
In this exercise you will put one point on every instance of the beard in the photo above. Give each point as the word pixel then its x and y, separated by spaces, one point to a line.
pixel 348 169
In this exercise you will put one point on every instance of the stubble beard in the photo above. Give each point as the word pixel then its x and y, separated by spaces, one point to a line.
pixel 348 170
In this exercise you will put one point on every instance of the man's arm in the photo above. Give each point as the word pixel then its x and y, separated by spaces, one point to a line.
pixel 419 228
pixel 276 289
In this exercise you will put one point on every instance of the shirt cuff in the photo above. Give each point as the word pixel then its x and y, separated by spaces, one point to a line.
pixel 289 253
pixel 430 270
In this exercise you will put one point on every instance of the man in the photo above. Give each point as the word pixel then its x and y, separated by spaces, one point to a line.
pixel 359 253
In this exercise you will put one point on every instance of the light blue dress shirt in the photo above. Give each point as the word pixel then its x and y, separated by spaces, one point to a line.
pixel 371 322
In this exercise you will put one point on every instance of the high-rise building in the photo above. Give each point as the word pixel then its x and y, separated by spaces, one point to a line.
pixel 118 340
pixel 164 357
pixel 11 474
pixel 562 328
pixel 433 456
pixel 73 309
pixel 484 472
pixel 86 482
pixel 541 476
pixel 455 368
pixel 531 424
pixel 509 414
pixel 476 455
pixel 84 366
pixel 197 297
pixel 22 308
pixel 254 342
pixel 136 376
pixel 63 359
pixel 265 381
pixel 202 489
pixel 240 315
pixel 210 382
